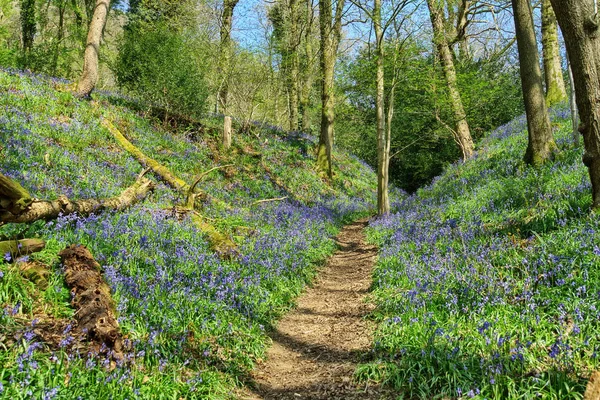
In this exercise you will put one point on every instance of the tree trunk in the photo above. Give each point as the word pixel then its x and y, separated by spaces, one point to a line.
pixel 227 132
pixel 307 69
pixel 89 78
pixel 330 36
pixel 555 84
pixel 59 37
pixel 541 144
pixel 579 25
pixel 28 27
pixel 463 134
pixel 383 203
pixel 225 61
pixel 293 77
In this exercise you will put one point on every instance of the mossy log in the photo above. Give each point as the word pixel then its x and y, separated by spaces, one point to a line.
pixel 13 197
pixel 218 241
pixel 91 298
pixel 22 247
pixel 163 172
pixel 44 209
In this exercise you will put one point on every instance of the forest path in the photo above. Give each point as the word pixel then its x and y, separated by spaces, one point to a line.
pixel 317 346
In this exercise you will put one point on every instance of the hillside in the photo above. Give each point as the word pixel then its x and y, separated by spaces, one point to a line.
pixel 487 281
pixel 193 321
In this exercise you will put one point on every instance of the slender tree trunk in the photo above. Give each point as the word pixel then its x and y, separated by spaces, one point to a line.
pixel 579 24
pixel 59 37
pixel 307 69
pixel 89 78
pixel 555 84
pixel 28 28
pixel 383 203
pixel 541 144
pixel 225 67
pixel 330 36
pixel 293 78
pixel 463 134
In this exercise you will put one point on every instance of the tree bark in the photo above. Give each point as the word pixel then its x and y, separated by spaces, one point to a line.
pixel 330 36
pixel 21 247
pixel 383 202
pixel 463 133
pixel 307 69
pixel 227 132
pixel 293 40
pixel 46 210
pixel 28 27
pixel 95 308
pixel 225 62
pixel 555 84
pixel 579 24
pixel 89 78
pixel 541 144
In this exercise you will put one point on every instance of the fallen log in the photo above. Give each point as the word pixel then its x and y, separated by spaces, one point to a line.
pixel 45 209
pixel 91 298
pixel 21 247
pixel 163 172
pixel 218 241
pixel 13 197
pixel 592 391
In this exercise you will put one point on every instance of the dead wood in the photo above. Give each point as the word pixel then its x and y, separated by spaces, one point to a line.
pixel 269 200
pixel 44 209
pixel 21 247
pixel 95 309
pixel 592 392
pixel 218 241
pixel 190 192
pixel 160 170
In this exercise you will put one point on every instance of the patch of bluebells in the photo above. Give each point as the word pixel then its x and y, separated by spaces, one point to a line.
pixel 491 299
pixel 180 305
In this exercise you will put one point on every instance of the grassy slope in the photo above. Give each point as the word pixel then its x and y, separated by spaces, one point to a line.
pixel 195 323
pixel 488 281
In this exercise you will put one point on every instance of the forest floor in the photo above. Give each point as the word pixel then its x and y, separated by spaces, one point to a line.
pixel 317 347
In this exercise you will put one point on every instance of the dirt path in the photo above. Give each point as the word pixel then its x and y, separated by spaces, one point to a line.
pixel 317 346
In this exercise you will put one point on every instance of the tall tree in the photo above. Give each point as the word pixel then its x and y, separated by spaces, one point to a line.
pixel 383 143
pixel 541 144
pixel 307 67
pixel 555 84
pixel 225 66
pixel 28 27
pixel 578 21
pixel 89 78
pixel 442 42
pixel 331 29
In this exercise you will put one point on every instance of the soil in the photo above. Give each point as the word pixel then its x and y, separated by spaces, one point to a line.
pixel 317 347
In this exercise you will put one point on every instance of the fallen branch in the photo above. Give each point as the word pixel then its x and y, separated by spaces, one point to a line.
pixel 219 242
pixel 22 247
pixel 95 309
pixel 44 209
pixel 269 200
pixel 190 193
